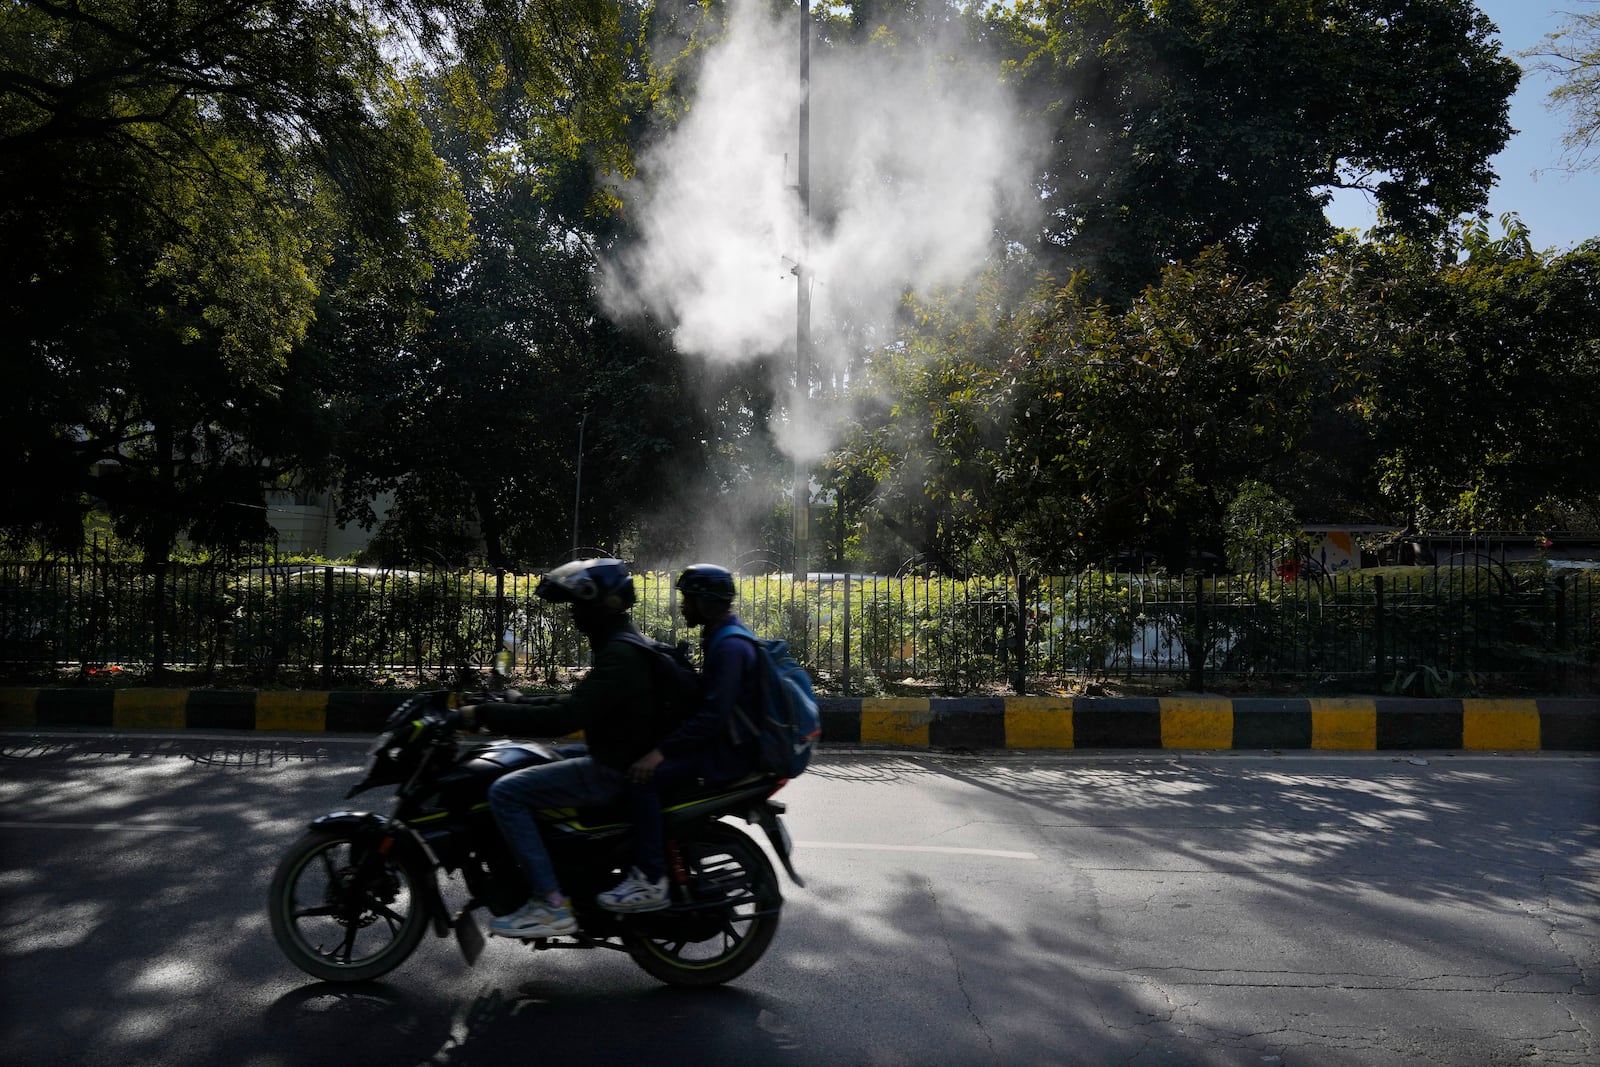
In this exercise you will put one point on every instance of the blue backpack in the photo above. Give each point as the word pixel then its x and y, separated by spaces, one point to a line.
pixel 788 725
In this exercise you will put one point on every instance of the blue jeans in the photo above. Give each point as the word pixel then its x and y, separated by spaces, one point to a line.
pixel 569 783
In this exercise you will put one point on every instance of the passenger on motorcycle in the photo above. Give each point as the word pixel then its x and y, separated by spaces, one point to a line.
pixel 709 748
pixel 614 705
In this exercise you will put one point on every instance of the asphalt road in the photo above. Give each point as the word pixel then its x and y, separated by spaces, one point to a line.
pixel 1127 908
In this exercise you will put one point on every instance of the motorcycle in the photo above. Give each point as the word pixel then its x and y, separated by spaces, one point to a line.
pixel 357 893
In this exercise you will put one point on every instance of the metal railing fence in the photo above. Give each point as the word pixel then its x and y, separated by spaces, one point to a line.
pixel 1423 631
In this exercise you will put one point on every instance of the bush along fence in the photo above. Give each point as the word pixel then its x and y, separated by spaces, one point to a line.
pixel 1403 631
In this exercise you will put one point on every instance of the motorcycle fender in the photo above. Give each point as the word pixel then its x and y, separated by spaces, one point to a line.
pixel 348 820
pixel 406 839
pixel 770 816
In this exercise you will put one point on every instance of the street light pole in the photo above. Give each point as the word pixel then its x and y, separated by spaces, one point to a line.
pixel 577 492
pixel 802 332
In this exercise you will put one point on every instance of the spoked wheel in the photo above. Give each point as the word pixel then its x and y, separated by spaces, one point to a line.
pixel 341 914
pixel 729 922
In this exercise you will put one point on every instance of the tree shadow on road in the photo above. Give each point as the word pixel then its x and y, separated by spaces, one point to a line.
pixel 152 947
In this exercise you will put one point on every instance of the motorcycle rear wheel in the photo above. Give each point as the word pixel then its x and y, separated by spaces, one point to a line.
pixel 334 929
pixel 708 947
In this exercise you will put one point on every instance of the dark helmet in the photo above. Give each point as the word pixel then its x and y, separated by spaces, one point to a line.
pixel 602 582
pixel 708 580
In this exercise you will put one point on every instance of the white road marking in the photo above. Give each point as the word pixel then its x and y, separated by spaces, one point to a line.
pixel 151 827
pixel 994 853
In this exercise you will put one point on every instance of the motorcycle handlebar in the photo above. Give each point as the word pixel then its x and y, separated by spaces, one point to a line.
pixel 452 719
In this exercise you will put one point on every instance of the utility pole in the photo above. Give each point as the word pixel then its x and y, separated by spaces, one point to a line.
pixel 802 328
pixel 577 491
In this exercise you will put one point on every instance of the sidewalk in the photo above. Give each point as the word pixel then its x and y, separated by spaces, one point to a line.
pixel 1186 722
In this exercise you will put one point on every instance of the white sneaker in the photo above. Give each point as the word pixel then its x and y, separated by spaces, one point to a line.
pixel 536 918
pixel 636 893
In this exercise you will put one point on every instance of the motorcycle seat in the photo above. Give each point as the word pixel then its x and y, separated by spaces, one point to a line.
pixel 740 789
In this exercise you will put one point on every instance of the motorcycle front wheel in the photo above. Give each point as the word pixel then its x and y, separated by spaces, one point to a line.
pixel 341 914
pixel 728 922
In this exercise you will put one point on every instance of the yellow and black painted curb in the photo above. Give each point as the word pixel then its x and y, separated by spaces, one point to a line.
pixel 1199 722
pixel 1187 722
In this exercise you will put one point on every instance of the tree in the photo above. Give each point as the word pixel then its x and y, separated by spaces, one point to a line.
pixel 1181 124
pixel 935 439
pixel 1448 385
pixel 1064 431
pixel 172 177
pixel 1473 365
pixel 1260 526
pixel 472 416
pixel 1572 55
pixel 1154 417
pixel 182 185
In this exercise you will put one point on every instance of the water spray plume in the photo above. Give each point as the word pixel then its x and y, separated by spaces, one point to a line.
pixel 916 152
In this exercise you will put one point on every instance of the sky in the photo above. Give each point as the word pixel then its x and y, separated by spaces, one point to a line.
pixel 1560 208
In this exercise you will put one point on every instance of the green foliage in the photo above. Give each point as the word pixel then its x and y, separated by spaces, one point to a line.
pixel 1472 367
pixel 1259 527
pixel 471 415
pixel 210 206
pixel 1060 431
pixel 173 181
pixel 1177 126
pixel 315 243
pixel 1572 55
pixel 1442 385
pixel 1433 630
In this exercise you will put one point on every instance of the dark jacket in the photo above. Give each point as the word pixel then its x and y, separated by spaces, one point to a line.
pixel 712 740
pixel 614 705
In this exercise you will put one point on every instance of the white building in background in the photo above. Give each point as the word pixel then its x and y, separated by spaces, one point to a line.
pixel 1336 548
pixel 305 523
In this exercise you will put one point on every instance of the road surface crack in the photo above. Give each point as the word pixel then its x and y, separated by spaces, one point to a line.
pixel 955 962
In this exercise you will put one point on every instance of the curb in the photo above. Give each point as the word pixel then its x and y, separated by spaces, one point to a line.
pixel 1570 724
pixel 1218 723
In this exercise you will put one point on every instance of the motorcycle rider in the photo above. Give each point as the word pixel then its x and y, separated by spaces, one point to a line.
pixel 709 748
pixel 614 705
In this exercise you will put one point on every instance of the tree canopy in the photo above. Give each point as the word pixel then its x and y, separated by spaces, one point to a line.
pixel 1180 124
pixel 358 247
pixel 470 417
pixel 173 178
pixel 1444 384
pixel 182 187
pixel 1572 55
pixel 1472 367
pixel 1066 431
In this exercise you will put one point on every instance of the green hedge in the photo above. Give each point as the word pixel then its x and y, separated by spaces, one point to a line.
pixel 1402 629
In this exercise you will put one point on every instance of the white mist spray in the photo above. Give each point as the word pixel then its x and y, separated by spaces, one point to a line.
pixel 916 152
